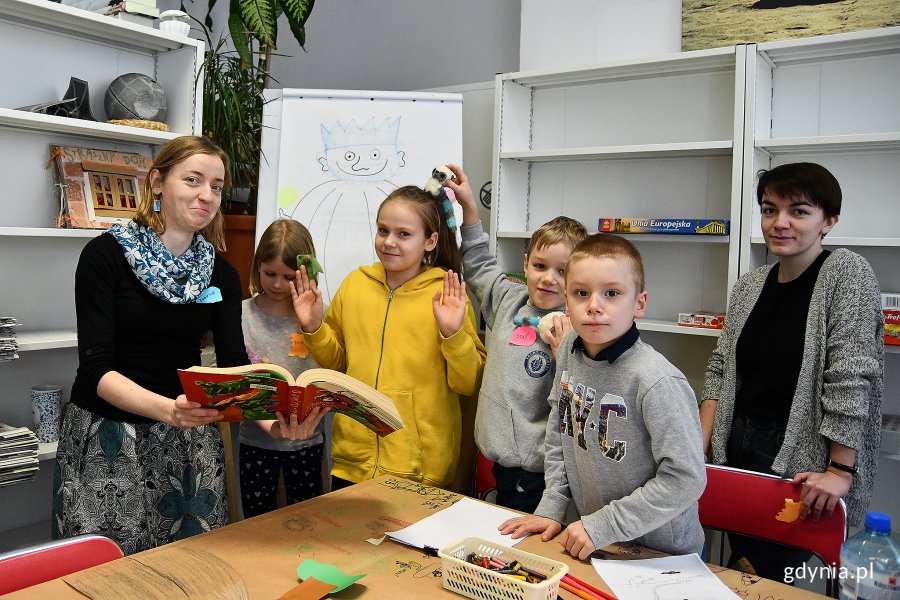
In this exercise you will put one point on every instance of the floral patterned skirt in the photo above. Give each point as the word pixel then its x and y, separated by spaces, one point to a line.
pixel 143 485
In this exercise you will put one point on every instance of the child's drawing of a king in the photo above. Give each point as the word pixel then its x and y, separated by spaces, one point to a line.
pixel 360 161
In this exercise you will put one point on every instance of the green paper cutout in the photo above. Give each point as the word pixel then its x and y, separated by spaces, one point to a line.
pixel 287 196
pixel 327 573
pixel 313 268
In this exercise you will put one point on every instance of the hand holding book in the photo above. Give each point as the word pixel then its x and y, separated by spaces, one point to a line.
pixel 287 427
pixel 257 392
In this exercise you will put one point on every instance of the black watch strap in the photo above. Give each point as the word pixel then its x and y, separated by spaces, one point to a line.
pixel 843 467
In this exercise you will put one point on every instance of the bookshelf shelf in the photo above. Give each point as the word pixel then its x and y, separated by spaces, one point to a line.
pixel 38 123
pixel 674 150
pixel 47 340
pixel 672 327
pixel 847 241
pixel 49 232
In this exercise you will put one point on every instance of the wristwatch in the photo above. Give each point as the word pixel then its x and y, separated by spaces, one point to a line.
pixel 842 467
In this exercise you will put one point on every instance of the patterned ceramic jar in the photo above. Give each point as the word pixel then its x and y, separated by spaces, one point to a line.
pixel 45 404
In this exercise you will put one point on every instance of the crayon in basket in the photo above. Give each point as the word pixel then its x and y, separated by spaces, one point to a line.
pixel 514 569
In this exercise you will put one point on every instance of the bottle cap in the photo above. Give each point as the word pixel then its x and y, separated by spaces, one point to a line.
pixel 878 521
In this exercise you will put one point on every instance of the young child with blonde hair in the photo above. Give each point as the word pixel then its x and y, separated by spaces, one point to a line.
pixel 623 439
pixel 512 405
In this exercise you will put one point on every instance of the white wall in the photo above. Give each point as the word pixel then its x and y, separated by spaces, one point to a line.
pixel 578 32
pixel 391 44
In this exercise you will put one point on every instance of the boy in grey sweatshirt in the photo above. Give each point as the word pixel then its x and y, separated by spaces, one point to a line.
pixel 512 405
pixel 623 438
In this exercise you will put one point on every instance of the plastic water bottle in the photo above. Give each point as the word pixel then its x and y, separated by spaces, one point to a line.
pixel 870 562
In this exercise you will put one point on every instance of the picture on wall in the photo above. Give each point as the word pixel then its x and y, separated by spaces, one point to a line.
pixel 97 188
pixel 707 24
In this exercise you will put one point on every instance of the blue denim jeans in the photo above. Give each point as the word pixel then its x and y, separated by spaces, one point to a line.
pixel 753 445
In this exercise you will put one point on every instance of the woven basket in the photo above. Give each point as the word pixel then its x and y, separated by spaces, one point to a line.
pixel 157 125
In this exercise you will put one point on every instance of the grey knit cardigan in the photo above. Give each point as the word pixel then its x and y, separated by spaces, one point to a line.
pixel 841 382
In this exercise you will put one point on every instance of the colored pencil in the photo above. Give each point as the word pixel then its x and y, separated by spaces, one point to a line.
pixel 576 591
pixel 589 587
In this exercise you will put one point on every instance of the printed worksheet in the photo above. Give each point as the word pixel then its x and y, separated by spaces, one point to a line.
pixel 668 578
pixel 466 518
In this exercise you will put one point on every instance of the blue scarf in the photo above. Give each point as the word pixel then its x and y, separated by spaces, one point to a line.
pixel 158 270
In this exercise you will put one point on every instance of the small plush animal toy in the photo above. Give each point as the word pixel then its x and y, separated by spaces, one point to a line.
pixel 313 268
pixel 545 326
pixel 435 187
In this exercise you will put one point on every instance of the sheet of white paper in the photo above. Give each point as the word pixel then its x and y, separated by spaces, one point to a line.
pixel 466 518
pixel 668 578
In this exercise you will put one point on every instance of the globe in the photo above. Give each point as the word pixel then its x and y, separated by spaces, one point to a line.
pixel 135 96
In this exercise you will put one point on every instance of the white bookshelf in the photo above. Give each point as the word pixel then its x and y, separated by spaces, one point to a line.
pixel 832 100
pixel 659 137
pixel 45 44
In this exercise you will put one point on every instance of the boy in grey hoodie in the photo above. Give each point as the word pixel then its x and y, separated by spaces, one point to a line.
pixel 512 406
pixel 623 438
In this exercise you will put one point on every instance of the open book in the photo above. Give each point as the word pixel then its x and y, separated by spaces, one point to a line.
pixel 255 392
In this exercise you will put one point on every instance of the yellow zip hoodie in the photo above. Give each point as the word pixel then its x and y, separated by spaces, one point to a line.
pixel 391 341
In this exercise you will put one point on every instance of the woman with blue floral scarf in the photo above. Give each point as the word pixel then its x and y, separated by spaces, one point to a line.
pixel 137 461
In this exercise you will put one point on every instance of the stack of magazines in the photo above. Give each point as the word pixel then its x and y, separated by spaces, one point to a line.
pixel 8 344
pixel 18 454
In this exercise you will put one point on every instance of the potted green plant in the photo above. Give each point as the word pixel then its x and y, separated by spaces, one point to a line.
pixel 234 75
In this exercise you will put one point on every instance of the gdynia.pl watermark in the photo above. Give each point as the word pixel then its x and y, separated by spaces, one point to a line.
pixel 825 572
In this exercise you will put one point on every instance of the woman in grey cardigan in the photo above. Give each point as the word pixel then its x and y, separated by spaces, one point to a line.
pixel 795 384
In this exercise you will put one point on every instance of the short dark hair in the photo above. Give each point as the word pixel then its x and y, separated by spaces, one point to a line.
pixel 607 245
pixel 809 181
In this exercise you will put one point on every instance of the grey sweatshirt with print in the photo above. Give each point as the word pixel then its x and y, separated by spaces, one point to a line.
pixel 512 405
pixel 624 442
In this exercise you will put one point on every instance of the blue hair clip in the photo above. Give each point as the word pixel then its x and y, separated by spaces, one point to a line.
pixel 519 320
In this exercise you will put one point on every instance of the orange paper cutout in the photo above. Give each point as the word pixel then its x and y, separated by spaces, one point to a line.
pixel 790 512
pixel 311 589
pixel 298 346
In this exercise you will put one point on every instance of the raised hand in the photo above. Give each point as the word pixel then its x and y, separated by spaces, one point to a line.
pixel 308 303
pixel 464 195
pixel 450 305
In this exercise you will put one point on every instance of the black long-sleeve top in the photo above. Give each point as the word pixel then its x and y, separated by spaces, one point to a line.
pixel 122 327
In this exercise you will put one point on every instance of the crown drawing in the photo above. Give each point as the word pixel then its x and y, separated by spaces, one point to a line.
pixel 352 134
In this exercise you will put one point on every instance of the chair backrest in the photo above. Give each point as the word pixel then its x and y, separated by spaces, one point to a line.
pixel 36 564
pixel 484 479
pixel 746 502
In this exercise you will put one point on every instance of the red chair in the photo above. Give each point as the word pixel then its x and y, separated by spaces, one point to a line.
pixel 484 479
pixel 747 503
pixel 36 564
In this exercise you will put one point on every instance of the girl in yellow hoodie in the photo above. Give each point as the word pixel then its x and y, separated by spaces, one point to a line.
pixel 404 326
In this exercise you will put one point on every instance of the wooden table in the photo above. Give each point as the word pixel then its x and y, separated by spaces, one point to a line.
pixel 257 558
